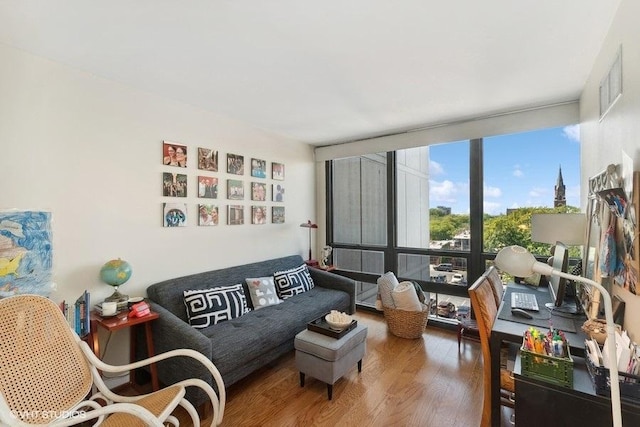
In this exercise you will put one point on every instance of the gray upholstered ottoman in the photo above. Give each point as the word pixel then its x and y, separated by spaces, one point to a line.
pixel 326 358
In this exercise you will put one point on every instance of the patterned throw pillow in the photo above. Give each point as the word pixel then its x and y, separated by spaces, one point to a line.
pixel 262 291
pixel 210 306
pixel 292 282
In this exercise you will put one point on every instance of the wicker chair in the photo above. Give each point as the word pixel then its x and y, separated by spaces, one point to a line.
pixel 47 375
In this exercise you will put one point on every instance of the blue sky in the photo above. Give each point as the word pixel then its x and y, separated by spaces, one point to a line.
pixel 520 170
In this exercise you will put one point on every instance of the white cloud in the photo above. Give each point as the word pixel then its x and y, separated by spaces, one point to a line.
pixel 572 132
pixel 492 208
pixel 444 191
pixel 518 172
pixel 435 168
pixel 492 191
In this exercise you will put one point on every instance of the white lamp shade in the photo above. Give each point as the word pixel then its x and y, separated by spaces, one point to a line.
pixel 515 260
pixel 568 228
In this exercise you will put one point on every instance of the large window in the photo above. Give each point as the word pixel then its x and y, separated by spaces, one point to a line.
pixel 438 214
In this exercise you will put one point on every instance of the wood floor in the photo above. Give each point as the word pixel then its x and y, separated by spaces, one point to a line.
pixel 422 382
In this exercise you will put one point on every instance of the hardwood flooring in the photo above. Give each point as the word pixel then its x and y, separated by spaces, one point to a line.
pixel 421 382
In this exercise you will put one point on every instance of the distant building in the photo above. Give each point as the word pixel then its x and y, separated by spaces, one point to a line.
pixel 561 197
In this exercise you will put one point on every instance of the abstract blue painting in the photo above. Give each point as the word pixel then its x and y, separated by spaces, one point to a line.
pixel 25 253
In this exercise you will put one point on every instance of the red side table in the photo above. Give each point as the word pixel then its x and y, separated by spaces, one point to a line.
pixel 122 321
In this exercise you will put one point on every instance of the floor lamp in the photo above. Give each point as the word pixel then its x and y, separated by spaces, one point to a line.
pixel 309 225
pixel 517 261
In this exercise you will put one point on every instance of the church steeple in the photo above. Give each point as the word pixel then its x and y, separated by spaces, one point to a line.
pixel 561 199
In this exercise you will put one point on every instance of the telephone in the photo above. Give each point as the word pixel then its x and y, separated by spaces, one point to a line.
pixel 140 309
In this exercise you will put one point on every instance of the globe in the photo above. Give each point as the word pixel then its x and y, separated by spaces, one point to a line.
pixel 116 272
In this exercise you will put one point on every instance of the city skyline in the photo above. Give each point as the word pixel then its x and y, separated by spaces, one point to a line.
pixel 520 170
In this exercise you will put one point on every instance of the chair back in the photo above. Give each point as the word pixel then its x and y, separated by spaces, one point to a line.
pixel 498 287
pixel 483 303
pixel 43 372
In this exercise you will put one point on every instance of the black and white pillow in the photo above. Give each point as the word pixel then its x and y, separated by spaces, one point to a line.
pixel 211 306
pixel 292 282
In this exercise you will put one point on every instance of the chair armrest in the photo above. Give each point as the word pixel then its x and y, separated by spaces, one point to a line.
pixel 329 280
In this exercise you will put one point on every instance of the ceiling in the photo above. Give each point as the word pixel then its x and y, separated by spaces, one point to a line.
pixel 328 71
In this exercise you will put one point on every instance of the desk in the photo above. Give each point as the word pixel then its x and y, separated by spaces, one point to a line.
pixel 548 404
pixel 509 331
pixel 122 321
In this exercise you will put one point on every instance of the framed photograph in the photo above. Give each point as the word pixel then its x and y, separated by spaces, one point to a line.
pixel 174 214
pixel 277 214
pixel 207 215
pixel 258 168
pixel 277 171
pixel 174 184
pixel 235 215
pixel 174 154
pixel 258 214
pixel 208 187
pixel 277 192
pixel 235 189
pixel 235 164
pixel 207 159
pixel 258 191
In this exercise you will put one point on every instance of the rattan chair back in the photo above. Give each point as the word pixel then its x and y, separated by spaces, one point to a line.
pixel 43 372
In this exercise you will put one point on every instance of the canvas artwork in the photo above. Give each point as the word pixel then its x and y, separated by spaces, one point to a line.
pixel 235 215
pixel 25 253
pixel 277 214
pixel 258 191
pixel 174 184
pixel 235 189
pixel 277 193
pixel 277 171
pixel 208 215
pixel 207 159
pixel 258 214
pixel 258 168
pixel 208 187
pixel 174 154
pixel 174 214
pixel 235 164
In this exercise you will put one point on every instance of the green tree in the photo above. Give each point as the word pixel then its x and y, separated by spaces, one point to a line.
pixel 515 229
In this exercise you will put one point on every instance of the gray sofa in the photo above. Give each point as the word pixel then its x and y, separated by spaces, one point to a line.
pixel 239 346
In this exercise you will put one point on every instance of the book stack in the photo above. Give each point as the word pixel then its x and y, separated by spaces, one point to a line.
pixel 78 314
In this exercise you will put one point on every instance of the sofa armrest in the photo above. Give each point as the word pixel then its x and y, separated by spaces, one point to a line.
pixel 329 280
pixel 172 333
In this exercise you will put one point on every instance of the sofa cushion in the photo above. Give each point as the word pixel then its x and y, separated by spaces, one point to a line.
pixel 262 291
pixel 211 306
pixel 293 281
pixel 240 342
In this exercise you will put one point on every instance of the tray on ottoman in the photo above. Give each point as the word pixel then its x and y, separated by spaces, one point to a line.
pixel 321 326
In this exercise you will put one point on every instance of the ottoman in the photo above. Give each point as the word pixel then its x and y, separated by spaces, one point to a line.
pixel 328 359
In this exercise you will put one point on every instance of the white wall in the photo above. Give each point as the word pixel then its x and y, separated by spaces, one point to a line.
pixel 603 142
pixel 90 151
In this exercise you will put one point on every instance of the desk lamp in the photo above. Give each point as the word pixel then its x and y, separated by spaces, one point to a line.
pixel 517 261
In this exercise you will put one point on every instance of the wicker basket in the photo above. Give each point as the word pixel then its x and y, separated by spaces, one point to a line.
pixel 406 324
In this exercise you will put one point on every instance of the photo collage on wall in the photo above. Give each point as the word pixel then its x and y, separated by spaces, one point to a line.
pixel 175 183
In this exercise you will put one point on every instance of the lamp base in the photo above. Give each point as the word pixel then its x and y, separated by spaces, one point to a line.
pixel 117 297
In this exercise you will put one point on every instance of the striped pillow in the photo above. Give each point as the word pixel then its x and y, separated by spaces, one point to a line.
pixel 292 282
pixel 211 306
